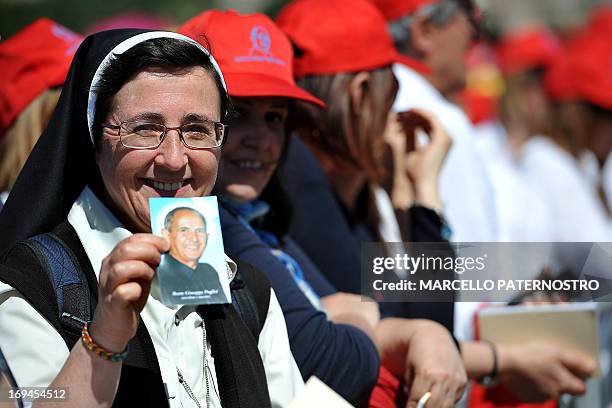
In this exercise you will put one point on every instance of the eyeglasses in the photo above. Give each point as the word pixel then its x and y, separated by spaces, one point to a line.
pixel 145 135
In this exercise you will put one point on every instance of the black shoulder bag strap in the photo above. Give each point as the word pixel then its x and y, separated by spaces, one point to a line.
pixel 75 288
pixel 251 297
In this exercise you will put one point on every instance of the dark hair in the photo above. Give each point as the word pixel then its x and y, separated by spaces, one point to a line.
pixel 162 53
pixel 599 110
pixel 170 216
pixel 338 131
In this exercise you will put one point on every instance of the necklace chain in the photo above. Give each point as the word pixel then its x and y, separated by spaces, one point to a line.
pixel 204 371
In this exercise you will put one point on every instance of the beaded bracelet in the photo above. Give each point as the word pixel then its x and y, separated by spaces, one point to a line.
pixel 100 351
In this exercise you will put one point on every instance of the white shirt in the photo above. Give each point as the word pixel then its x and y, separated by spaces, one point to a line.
pixel 522 215
pixel 466 192
pixel 36 352
pixel 590 167
pixel 599 177
pixel 388 228
pixel 570 197
pixel 606 179
pixel 465 189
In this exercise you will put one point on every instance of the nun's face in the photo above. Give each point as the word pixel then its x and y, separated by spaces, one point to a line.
pixel 131 176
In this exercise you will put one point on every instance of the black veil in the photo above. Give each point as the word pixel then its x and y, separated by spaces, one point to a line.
pixel 62 163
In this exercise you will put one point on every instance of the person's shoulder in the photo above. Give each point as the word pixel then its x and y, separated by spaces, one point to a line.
pixel 21 257
pixel 542 154
pixel 256 282
pixel 252 276
pixel 301 167
pixel 543 147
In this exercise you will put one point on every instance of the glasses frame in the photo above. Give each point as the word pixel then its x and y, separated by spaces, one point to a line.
pixel 217 125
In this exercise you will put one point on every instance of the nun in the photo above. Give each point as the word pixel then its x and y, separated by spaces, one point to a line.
pixel 141 115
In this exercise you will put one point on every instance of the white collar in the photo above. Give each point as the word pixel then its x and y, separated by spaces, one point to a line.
pixel 100 231
pixel 414 88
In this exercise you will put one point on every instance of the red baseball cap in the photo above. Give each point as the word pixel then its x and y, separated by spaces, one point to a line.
pixel 33 60
pixel 527 48
pixel 254 55
pixel 600 20
pixel 590 56
pixel 339 36
pixel 394 9
pixel 559 80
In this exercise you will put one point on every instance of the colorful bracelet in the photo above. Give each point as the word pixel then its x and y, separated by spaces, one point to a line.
pixel 98 350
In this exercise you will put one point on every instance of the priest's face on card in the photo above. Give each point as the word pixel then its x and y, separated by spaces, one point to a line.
pixel 186 231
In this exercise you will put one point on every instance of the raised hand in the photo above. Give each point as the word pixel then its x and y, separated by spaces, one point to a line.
pixel 124 284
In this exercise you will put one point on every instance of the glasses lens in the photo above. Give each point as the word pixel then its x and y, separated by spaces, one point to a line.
pixel 141 134
pixel 201 135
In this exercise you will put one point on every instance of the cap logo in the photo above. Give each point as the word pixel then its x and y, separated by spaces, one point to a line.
pixel 260 38
pixel 260 48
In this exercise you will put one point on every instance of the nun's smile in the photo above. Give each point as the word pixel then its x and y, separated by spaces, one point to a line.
pixel 132 176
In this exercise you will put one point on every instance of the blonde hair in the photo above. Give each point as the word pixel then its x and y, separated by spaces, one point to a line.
pixel 20 138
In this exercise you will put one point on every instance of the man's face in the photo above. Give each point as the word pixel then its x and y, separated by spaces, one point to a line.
pixel 449 44
pixel 187 237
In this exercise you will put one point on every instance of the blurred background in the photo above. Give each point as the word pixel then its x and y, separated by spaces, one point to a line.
pixel 82 16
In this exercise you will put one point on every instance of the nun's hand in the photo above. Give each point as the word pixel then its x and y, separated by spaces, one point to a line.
pixel 124 284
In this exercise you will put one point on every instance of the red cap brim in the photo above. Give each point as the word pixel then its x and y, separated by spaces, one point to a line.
pixel 243 84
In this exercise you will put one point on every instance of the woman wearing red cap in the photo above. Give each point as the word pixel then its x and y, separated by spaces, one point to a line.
pixel 141 116
pixel 255 59
pixel 580 84
pixel 34 63
pixel 553 138
pixel 347 66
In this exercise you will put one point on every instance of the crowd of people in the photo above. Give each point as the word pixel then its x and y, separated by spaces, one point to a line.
pixel 337 123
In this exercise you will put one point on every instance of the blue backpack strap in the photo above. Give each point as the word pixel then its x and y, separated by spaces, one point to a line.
pixel 71 289
pixel 73 296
